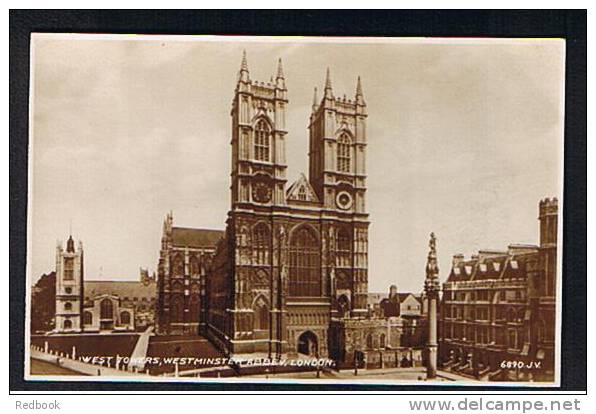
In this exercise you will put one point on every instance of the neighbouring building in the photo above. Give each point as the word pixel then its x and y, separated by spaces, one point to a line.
pixel 69 287
pixel 499 307
pixel 184 258
pixel 401 304
pixel 98 305
pixel 120 304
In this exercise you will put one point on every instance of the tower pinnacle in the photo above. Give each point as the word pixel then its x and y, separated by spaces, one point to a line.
pixel 280 69
pixel 315 100
pixel 359 94
pixel 243 74
pixel 244 64
pixel 328 88
pixel 280 82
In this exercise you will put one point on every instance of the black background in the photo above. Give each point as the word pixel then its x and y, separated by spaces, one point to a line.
pixel 570 25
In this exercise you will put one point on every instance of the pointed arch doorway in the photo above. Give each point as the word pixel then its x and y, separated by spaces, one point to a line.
pixel 308 344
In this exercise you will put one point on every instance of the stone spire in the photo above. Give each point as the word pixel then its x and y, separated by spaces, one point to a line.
pixel 70 245
pixel 328 88
pixel 280 82
pixel 243 74
pixel 359 94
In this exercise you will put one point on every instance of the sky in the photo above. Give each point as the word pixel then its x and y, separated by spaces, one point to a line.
pixel 464 139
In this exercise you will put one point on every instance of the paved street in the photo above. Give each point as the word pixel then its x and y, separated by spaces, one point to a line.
pixel 45 368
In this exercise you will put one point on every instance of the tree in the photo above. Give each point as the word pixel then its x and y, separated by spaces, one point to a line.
pixel 43 303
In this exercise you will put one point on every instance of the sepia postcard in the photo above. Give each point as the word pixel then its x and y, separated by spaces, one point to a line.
pixel 295 210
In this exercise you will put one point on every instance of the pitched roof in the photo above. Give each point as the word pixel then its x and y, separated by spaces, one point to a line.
pixel 128 289
pixel 403 296
pixel 198 238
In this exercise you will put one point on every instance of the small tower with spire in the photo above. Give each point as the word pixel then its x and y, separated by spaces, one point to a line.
pixel 431 289
pixel 69 287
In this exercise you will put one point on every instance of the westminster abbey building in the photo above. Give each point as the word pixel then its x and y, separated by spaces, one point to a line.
pixel 294 257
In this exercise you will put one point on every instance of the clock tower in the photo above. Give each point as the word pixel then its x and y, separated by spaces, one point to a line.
pixel 337 150
pixel 258 140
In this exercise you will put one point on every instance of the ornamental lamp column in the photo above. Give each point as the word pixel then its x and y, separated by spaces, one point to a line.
pixel 431 287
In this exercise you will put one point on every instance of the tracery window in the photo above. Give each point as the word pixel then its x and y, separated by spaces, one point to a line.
pixel 262 134
pixel 261 244
pixel 305 268
pixel 343 248
pixel 106 309
pixel 195 267
pixel 178 266
pixel 343 153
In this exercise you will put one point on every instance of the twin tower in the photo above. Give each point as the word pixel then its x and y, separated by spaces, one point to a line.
pixel 337 143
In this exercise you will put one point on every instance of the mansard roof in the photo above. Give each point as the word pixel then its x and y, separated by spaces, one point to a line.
pixel 196 238
pixel 301 191
pixel 493 265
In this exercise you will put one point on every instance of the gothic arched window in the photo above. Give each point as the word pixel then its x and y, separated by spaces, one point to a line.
pixel 195 267
pixel 87 318
pixel 178 266
pixel 343 248
pixel 262 134
pixel 261 244
pixel 305 268
pixel 68 306
pixel 177 311
pixel 67 324
pixel 125 318
pixel 343 153
pixel 261 315
pixel 106 309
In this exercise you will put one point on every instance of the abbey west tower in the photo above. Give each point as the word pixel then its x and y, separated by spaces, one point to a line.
pixel 293 258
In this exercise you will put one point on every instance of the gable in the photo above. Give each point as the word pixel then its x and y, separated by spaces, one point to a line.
pixel 301 191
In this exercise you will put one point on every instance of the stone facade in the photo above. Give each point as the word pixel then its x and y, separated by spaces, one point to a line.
pixel 381 342
pixel 69 287
pixel 292 259
pixel 133 303
pixel 184 258
pixel 500 306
